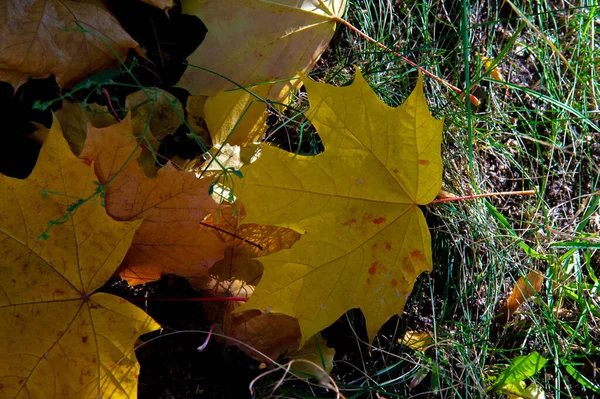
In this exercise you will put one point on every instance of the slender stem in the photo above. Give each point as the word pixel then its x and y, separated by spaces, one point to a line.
pixel 196 299
pixel 233 235
pixel 474 99
pixel 110 105
pixel 499 194
pixel 203 346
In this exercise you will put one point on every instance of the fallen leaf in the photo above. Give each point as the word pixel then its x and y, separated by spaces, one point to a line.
pixel 522 291
pixel 316 352
pixel 155 110
pixel 155 114
pixel 237 117
pixel 419 341
pixel 59 338
pixel 74 119
pixel 235 121
pixel 40 38
pixel 264 336
pixel 270 333
pixel 273 40
pixel 195 118
pixel 512 380
pixel 223 157
pixel 172 205
pixel 494 72
pixel 236 275
pixel 365 239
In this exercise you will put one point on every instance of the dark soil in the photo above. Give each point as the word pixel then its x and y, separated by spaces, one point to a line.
pixel 171 365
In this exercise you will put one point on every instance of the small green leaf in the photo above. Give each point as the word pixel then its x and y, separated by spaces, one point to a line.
pixel 522 367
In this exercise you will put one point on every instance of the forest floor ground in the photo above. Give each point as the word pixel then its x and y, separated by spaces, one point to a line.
pixel 538 128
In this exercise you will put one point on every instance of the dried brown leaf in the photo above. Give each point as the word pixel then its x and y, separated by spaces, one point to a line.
pixel 522 291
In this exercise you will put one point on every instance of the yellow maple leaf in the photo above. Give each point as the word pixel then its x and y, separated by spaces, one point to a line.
pixel 365 239
pixel 58 338
pixel 260 31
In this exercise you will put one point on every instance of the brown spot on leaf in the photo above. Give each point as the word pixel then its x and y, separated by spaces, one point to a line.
pixel 388 246
pixel 395 170
pixel 84 339
pixel 379 220
pixel 88 161
pixel 373 268
pixel 349 222
pixel 59 292
pixel 394 283
pixel 417 255
pixel 423 162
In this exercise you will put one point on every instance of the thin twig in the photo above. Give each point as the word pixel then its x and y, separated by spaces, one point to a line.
pixel 195 299
pixel 499 194
pixel 474 100
pixel 233 235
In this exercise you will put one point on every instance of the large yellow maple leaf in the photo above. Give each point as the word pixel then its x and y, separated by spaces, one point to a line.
pixel 58 338
pixel 365 240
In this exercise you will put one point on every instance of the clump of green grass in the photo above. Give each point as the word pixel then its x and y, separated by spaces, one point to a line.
pixel 539 129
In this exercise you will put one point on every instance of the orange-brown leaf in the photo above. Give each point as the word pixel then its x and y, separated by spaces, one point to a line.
pixel 237 274
pixel 522 291
pixel 172 205
pixel 270 333
pixel 39 38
